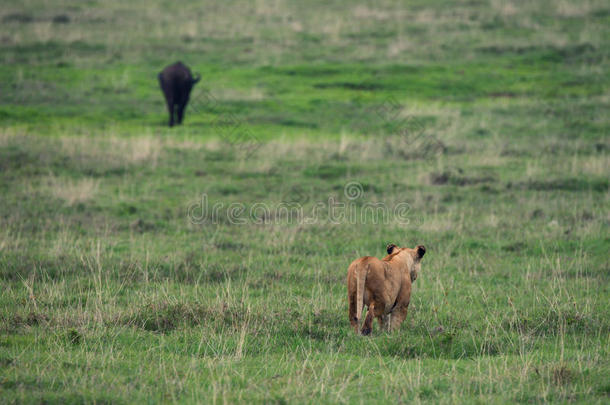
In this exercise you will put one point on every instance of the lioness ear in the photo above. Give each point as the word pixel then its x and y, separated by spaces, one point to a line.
pixel 421 251
pixel 390 248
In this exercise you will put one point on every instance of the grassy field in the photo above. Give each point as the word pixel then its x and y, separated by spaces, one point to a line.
pixel 206 263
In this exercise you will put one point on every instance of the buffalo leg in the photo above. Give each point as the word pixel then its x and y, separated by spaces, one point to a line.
pixel 170 108
pixel 181 107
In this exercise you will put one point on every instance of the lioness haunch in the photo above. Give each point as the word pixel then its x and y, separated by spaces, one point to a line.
pixel 382 285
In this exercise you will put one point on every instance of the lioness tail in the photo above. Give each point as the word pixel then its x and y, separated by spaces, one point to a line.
pixel 360 280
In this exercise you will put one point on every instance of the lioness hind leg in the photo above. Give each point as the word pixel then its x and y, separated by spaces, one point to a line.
pixel 384 322
pixel 375 311
pixel 398 316
pixel 368 321
pixel 353 319
pixel 387 320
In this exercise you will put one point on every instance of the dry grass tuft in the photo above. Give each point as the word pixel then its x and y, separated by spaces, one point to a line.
pixel 228 94
pixel 114 151
pixel 74 191
pixel 367 13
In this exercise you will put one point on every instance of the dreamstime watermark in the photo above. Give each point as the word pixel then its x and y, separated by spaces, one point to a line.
pixel 351 210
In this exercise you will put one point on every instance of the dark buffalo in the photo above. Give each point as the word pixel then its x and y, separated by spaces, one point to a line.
pixel 176 82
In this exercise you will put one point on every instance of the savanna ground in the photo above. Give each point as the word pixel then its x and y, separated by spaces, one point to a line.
pixel 488 118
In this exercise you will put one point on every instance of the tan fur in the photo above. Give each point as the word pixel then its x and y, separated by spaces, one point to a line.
pixel 384 286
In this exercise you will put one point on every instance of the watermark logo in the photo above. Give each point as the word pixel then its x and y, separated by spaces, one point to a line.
pixel 353 190
pixel 352 209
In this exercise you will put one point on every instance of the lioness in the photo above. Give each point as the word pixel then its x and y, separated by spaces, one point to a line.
pixel 382 285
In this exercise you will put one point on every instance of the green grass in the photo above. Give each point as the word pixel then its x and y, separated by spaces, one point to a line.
pixel 487 119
